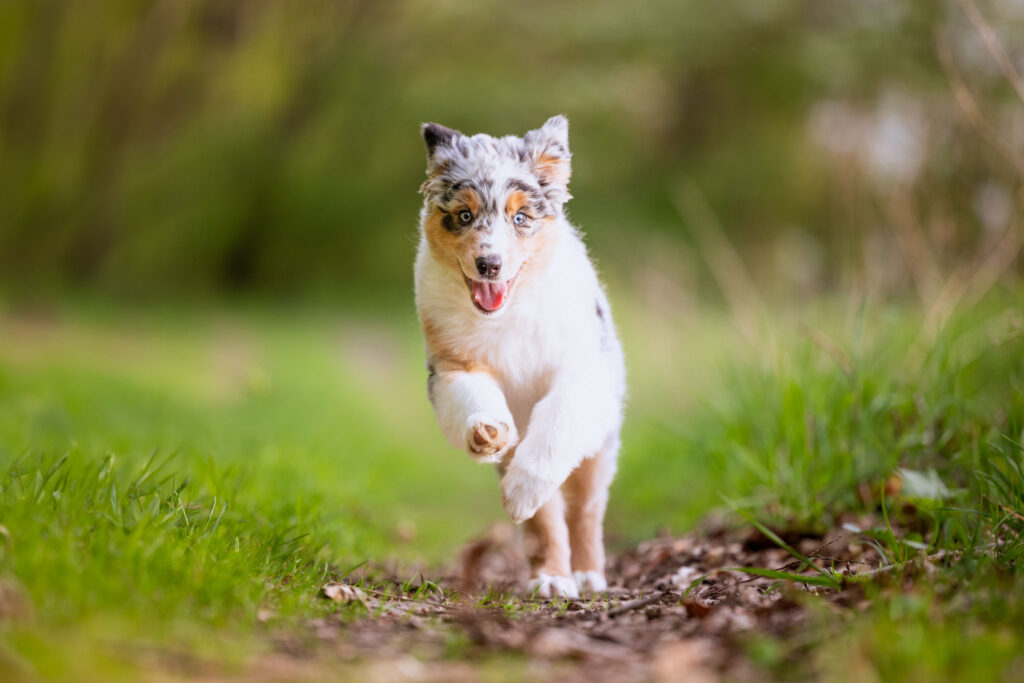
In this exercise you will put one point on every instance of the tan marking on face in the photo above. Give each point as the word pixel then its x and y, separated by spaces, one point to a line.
pixel 467 199
pixel 554 170
pixel 444 243
pixel 516 201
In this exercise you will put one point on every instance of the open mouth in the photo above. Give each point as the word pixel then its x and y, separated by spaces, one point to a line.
pixel 489 296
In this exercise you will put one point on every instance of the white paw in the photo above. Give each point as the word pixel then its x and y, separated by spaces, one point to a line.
pixel 590 582
pixel 551 586
pixel 488 438
pixel 522 494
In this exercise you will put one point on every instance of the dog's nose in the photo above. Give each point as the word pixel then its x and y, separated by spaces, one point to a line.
pixel 489 266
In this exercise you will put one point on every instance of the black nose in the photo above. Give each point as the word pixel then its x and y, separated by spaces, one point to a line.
pixel 489 266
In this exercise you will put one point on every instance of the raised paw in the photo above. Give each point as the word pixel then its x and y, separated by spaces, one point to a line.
pixel 522 494
pixel 551 586
pixel 590 582
pixel 488 438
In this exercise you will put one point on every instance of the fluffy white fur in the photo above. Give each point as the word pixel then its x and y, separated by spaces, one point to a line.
pixel 555 377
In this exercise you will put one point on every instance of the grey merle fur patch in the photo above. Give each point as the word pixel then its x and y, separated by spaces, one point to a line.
pixel 456 161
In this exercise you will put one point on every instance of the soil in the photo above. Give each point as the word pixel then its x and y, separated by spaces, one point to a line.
pixel 677 608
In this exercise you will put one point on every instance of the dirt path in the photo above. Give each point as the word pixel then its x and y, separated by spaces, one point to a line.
pixel 658 621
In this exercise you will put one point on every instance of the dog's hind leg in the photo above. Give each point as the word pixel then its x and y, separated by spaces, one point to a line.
pixel 547 546
pixel 586 497
pixel 472 412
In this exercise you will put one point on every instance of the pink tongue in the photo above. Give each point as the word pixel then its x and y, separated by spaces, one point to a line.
pixel 489 295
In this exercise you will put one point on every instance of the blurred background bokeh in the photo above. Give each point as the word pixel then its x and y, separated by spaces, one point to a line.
pixel 209 209
pixel 212 381
pixel 189 147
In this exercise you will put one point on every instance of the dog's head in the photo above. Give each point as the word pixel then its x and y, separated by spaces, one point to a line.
pixel 491 204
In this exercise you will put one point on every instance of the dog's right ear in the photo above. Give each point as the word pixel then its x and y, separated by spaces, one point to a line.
pixel 436 136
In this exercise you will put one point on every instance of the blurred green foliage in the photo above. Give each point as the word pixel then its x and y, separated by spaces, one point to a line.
pixel 179 145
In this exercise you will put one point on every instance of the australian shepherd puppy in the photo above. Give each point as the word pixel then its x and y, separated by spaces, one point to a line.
pixel 525 369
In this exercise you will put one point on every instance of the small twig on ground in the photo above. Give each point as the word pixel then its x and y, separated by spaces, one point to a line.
pixel 839 559
pixel 892 567
pixel 635 605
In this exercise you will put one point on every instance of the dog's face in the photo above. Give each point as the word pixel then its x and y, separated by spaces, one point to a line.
pixel 490 205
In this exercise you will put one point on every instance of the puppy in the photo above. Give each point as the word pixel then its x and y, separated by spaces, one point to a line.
pixel 525 368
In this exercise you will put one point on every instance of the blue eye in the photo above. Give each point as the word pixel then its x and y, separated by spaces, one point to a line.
pixel 465 216
pixel 519 218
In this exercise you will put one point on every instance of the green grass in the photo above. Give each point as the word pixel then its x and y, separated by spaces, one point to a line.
pixel 170 474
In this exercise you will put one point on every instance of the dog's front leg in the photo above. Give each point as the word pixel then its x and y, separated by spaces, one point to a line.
pixel 472 412
pixel 569 423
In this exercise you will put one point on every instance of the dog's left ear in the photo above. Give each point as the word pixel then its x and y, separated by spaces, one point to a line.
pixel 548 147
